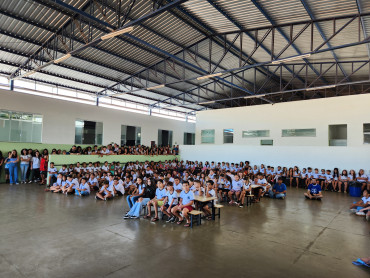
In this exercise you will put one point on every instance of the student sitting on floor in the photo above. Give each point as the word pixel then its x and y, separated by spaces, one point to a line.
pixel 83 189
pixel 185 205
pixel 64 182
pixel 170 201
pixel 56 185
pixel 246 190
pixel 117 187
pixel 160 195
pixel 74 184
pixel 104 192
pixel 314 191
pixel 279 190
pixel 236 187
pixel 209 192
pixel 93 182
pixel 364 202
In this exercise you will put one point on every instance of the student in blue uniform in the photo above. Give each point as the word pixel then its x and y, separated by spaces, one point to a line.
pixel 83 189
pixel 314 191
pixel 170 201
pixel 185 205
pixel 279 190
pixel 160 195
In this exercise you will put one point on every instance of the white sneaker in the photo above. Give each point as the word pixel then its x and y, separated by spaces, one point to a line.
pixel 360 213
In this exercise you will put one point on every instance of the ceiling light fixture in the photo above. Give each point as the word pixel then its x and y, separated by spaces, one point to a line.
pixel 291 59
pixel 116 33
pixel 209 76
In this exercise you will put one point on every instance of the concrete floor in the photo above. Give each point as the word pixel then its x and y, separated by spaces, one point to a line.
pixel 53 235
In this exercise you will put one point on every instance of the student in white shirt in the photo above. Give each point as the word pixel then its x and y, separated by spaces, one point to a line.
pixel 177 185
pixel 57 185
pixel 104 192
pixel 236 187
pixel 93 182
pixel 52 172
pixel 158 201
pixel 185 205
pixel 246 190
pixel 35 167
pixel 170 202
pixel 343 181
pixel 362 178
pixel 209 192
pixel 83 189
pixel 364 202
pixel 328 180
pixel 118 188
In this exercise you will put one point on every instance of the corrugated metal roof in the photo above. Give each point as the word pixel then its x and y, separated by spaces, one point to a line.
pixel 26 24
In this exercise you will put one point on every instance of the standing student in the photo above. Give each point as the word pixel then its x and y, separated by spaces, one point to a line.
pixel 6 167
pixel 13 167
pixel 44 169
pixel 25 162
pixel 35 167
pixel 313 191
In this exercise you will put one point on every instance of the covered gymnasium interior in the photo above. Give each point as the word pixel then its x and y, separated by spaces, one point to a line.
pixel 274 82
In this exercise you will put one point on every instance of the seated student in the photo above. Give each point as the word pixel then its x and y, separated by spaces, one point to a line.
pixel 139 191
pixel 157 201
pixel 90 168
pixel 105 167
pixel 117 187
pixel 246 190
pixel 322 178
pixel 56 185
pixel 67 184
pixel 236 187
pixel 73 185
pixel 343 180
pixel 149 193
pixel 105 192
pixel 63 170
pixel 328 180
pixel 64 181
pixel 261 187
pixel 177 185
pixel 129 186
pixel 279 190
pixel 170 201
pixel 93 182
pixel 309 176
pixel 304 177
pixel 209 192
pixel 365 212
pixel 52 173
pixel 77 170
pixel 313 191
pixel 362 178
pixel 185 205
pixel 83 189
pixel 364 202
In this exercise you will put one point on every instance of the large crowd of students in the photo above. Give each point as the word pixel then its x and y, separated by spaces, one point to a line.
pixel 170 186
pixel 33 163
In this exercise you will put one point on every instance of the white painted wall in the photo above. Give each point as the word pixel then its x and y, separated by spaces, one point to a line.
pixel 59 119
pixel 302 151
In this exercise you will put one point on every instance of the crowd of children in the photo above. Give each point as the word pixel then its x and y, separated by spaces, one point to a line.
pixel 170 186
pixel 33 163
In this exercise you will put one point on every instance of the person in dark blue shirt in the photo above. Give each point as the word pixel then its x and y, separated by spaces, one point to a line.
pixel 279 190
pixel 314 191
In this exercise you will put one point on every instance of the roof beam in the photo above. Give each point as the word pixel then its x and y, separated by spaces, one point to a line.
pixel 322 34
pixel 359 7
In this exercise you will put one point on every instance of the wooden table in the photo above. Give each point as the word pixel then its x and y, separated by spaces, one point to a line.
pixel 203 199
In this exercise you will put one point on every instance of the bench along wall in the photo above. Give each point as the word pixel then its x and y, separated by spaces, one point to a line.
pixel 302 151
pixel 59 119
